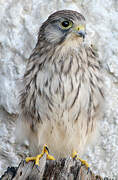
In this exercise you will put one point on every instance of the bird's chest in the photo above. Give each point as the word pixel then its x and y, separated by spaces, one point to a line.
pixel 68 90
pixel 68 86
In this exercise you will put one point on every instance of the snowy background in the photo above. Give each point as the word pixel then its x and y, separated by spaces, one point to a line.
pixel 19 25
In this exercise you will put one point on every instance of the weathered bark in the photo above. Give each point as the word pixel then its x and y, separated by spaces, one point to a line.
pixel 63 169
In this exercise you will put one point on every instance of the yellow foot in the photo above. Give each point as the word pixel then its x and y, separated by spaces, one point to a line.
pixel 76 156
pixel 38 157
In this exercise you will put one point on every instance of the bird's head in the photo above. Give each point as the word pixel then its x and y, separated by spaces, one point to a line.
pixel 63 26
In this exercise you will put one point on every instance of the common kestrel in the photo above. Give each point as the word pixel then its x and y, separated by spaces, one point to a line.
pixel 61 101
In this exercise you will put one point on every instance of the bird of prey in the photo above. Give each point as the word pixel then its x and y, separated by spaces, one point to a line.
pixel 61 102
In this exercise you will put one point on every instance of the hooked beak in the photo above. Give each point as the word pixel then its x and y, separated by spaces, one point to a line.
pixel 80 31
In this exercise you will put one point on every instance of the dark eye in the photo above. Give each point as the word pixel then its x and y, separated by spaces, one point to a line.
pixel 65 24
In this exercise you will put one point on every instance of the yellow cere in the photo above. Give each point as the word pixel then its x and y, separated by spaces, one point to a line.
pixel 79 28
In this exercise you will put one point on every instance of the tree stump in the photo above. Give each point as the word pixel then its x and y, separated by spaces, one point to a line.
pixel 62 169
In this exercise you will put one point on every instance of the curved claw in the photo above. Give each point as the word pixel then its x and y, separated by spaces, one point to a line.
pixel 88 170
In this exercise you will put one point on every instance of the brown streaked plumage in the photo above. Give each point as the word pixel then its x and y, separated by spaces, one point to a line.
pixel 62 91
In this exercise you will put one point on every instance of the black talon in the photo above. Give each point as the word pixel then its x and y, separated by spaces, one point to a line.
pixel 88 170
pixel 47 148
pixel 74 158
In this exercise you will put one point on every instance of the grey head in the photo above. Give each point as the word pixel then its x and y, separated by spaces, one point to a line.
pixel 62 25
